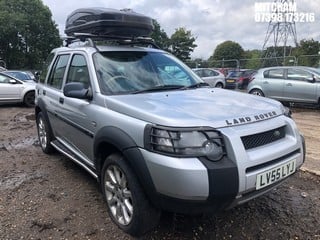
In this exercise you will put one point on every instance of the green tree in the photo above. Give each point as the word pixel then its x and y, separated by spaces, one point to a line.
pixel 160 36
pixel 182 44
pixel 27 33
pixel 308 53
pixel 251 59
pixel 228 51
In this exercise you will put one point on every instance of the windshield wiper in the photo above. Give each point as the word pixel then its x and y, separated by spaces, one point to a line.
pixel 160 88
pixel 197 85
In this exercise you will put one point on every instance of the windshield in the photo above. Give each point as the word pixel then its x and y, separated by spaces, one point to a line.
pixel 122 72
pixel 20 75
pixel 316 71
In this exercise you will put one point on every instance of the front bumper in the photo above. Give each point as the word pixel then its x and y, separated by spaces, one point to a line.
pixel 197 185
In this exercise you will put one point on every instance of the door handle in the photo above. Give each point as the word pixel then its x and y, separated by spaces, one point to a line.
pixel 61 100
pixel 44 92
pixel 265 82
pixel 289 84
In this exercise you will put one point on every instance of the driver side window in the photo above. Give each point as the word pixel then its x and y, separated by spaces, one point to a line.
pixel 78 70
pixel 297 74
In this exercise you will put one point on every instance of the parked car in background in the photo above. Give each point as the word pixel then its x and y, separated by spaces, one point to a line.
pixel 213 77
pixel 288 84
pixel 21 75
pixel 239 78
pixel 13 90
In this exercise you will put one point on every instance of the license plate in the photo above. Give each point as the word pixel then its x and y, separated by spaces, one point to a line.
pixel 276 174
pixel 230 80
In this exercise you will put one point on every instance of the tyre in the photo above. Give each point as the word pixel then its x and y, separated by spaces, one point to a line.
pixel 257 92
pixel 28 99
pixel 127 204
pixel 44 134
pixel 219 85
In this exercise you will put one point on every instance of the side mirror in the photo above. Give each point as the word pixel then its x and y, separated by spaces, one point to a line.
pixel 77 90
pixel 311 80
pixel 12 81
pixel 37 76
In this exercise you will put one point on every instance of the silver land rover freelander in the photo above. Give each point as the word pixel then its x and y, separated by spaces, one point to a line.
pixel 152 133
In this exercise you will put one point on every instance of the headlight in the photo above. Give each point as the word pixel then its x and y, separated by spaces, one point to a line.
pixel 286 111
pixel 186 142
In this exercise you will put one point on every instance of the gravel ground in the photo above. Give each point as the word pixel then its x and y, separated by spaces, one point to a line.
pixel 50 197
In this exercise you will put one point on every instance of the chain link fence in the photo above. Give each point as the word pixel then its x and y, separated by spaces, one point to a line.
pixel 256 63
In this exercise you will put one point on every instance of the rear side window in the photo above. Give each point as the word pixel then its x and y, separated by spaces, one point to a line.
pixel 45 68
pixel 199 73
pixel 210 73
pixel 273 73
pixel 56 76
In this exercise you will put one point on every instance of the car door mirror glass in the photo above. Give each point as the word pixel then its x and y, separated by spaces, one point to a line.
pixel 77 90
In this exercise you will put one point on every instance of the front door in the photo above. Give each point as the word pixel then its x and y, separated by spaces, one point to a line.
pixel 299 86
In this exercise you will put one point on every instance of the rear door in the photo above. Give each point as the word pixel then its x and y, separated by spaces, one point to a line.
pixel 299 86
pixel 272 83
pixel 210 77
pixel 77 123
pixel 52 93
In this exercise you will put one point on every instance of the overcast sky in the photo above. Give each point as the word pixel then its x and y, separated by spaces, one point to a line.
pixel 210 21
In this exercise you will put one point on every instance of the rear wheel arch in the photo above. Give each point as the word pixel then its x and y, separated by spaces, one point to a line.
pixel 41 108
pixel 257 91
pixel 29 97
pixel 219 85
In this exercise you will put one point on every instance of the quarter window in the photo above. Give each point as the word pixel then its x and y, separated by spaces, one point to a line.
pixel 56 76
pixel 210 73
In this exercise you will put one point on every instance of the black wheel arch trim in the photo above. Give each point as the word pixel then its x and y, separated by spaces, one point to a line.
pixel 128 147
pixel 114 136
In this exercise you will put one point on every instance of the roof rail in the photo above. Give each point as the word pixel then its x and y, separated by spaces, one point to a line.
pixel 91 40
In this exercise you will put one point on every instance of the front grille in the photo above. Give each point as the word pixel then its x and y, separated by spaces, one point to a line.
pixel 260 139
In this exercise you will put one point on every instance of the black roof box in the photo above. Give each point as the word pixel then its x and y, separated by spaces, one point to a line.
pixel 110 22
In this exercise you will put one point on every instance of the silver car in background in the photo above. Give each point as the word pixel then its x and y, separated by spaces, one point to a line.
pixel 287 84
pixel 13 90
pixel 213 77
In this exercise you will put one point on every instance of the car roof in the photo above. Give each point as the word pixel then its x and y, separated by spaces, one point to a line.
pixel 291 67
pixel 205 68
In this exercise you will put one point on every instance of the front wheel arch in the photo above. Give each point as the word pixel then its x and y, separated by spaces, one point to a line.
pixel 121 189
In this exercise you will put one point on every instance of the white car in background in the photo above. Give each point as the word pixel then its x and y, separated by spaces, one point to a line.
pixel 13 90
pixel 213 77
